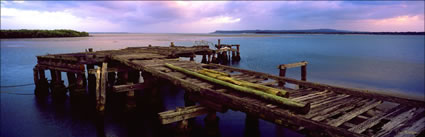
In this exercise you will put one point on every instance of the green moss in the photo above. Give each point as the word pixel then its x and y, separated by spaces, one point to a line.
pixel 24 33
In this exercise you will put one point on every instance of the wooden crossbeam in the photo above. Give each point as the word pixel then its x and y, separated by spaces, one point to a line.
pixel 181 113
pixel 128 87
pixel 293 65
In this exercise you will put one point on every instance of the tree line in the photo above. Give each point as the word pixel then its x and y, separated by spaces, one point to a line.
pixel 24 33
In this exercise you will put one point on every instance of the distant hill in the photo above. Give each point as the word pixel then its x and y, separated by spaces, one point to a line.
pixel 316 31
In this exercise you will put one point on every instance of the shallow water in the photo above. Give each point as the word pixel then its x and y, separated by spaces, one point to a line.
pixel 390 63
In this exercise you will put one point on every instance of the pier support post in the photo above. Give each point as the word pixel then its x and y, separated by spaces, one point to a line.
pixel 81 87
pixel 214 58
pixel 224 57
pixel 282 73
pixel 251 126
pixel 204 58
pixel 212 124
pixel 234 56
pixel 57 86
pixel 304 72
pixel 192 57
pixel 101 87
pixel 41 83
pixel 72 82
pixel 133 77
pixel 238 54
pixel 209 58
pixel 91 84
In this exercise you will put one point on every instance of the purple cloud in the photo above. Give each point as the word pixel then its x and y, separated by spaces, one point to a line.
pixel 197 16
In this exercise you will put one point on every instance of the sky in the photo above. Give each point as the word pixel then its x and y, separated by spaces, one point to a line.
pixel 208 16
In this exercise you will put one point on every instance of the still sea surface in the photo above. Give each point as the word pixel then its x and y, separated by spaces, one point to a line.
pixel 387 63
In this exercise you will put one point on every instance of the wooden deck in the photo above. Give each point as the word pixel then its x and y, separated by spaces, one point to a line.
pixel 335 111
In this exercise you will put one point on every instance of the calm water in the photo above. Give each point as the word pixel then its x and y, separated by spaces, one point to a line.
pixel 377 62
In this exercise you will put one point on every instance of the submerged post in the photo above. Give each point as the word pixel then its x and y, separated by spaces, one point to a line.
pixel 40 81
pixel 212 124
pixel 101 87
pixel 58 88
pixel 204 58
pixel 282 73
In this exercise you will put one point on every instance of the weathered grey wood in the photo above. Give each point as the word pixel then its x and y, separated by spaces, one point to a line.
pixel 350 115
pixel 413 130
pixel 101 87
pixel 341 109
pixel 327 109
pixel 293 65
pixel 309 96
pixel 180 114
pixel 128 87
pixel 332 100
pixel 399 122
pixel 99 106
pixel 376 119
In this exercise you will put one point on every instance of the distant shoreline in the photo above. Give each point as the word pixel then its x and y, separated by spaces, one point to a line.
pixel 24 33
pixel 313 31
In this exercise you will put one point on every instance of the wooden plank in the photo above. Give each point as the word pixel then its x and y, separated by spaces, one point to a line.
pixel 399 122
pixel 340 109
pixel 350 115
pixel 293 65
pixel 61 69
pixel 128 87
pixel 326 109
pixel 309 96
pixel 360 128
pixel 339 97
pixel 414 130
pixel 180 114
pixel 401 99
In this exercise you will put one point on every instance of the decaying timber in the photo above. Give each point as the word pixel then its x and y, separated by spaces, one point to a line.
pixel 334 111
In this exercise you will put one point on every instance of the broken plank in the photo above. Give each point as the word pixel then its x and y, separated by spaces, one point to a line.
pixel 376 119
pixel 350 115
pixel 400 121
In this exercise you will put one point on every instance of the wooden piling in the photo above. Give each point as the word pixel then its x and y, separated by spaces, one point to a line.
pixel 209 58
pixel 101 87
pixel 218 44
pixel 57 86
pixel 192 57
pixel 304 72
pixel 212 124
pixel 282 73
pixel 36 77
pixel 204 58
pixel 80 84
pixel 72 82
pixel 133 78
pixel 251 126
pixel 41 83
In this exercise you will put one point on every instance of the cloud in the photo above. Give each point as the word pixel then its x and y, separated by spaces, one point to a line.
pixel 200 16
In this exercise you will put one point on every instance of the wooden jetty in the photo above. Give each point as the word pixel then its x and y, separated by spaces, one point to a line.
pixel 333 110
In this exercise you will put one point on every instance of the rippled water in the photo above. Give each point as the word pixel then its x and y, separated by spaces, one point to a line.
pixel 389 63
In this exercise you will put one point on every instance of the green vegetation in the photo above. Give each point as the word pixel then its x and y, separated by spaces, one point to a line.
pixel 24 33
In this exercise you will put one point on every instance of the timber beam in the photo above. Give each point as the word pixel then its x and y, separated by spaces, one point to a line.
pixel 181 113
pixel 128 87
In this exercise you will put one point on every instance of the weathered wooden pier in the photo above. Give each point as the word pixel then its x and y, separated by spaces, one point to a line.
pixel 332 110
